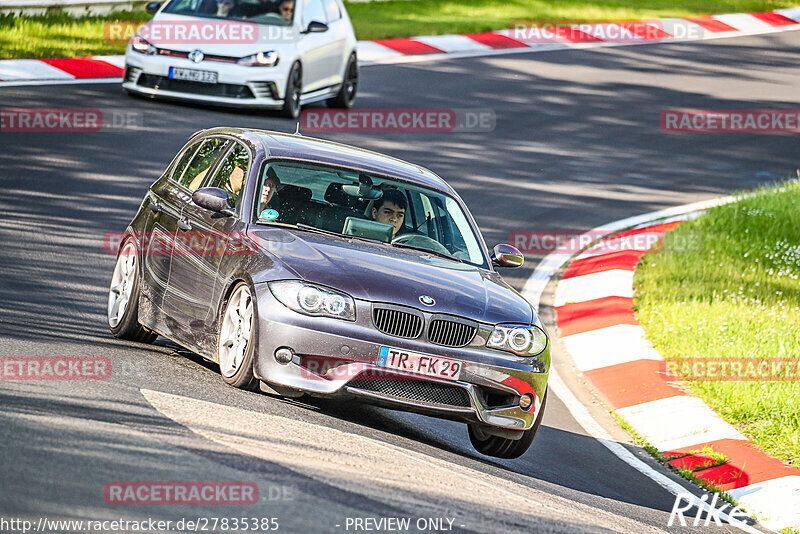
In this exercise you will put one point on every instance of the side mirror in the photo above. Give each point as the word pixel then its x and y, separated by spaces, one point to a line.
pixel 316 27
pixel 152 7
pixel 507 256
pixel 213 199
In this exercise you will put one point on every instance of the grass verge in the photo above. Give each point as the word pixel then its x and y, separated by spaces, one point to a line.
pixel 727 286
pixel 60 35
pixel 717 457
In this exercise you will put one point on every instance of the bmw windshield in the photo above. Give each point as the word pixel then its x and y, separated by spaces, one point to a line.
pixel 351 203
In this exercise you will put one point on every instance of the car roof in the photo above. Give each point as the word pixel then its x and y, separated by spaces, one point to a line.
pixel 300 147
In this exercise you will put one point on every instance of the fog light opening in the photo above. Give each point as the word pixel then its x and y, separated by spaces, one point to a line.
pixel 284 355
pixel 526 401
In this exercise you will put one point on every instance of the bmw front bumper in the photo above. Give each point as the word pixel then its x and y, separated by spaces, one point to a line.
pixel 338 358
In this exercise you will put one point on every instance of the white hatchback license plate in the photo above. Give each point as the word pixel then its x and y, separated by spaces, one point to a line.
pixel 422 364
pixel 192 75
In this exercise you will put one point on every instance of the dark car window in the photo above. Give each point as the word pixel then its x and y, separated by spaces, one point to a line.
pixel 326 197
pixel 259 11
pixel 195 173
pixel 184 160
pixel 231 173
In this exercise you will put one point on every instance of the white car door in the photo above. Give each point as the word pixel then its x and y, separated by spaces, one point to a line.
pixel 319 48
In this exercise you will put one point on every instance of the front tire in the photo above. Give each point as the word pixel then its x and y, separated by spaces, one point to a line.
pixel 294 90
pixel 346 96
pixel 123 297
pixel 500 447
pixel 236 339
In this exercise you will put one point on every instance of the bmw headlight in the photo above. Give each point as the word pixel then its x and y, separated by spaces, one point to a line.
pixel 521 340
pixel 138 44
pixel 311 299
pixel 262 59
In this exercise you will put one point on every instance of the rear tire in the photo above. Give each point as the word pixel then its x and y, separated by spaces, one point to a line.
pixel 500 447
pixel 237 337
pixel 123 297
pixel 346 96
pixel 294 90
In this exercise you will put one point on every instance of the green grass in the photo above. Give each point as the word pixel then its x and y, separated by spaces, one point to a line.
pixel 727 286
pixel 59 35
pixel 718 457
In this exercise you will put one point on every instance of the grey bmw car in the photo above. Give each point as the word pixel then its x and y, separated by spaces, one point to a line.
pixel 304 266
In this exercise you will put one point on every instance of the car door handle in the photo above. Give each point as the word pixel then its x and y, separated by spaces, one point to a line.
pixel 184 224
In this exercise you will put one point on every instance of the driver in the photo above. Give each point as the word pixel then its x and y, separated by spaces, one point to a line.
pixel 286 9
pixel 390 209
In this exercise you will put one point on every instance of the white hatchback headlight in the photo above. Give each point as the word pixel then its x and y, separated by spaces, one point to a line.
pixel 139 44
pixel 311 299
pixel 262 59
pixel 521 340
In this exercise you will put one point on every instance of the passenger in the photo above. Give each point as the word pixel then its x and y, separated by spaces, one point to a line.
pixel 225 8
pixel 270 187
pixel 390 209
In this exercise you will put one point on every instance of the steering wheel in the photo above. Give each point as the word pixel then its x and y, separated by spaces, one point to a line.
pixel 422 241
pixel 269 17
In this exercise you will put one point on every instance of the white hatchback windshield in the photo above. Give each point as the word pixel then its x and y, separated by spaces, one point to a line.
pixel 279 12
pixel 349 202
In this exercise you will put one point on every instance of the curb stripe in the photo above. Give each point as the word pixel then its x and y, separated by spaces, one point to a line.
pixel 625 260
pixel 677 421
pixel 711 24
pixel 747 464
pixel 621 343
pixel 572 35
pixel 507 41
pixel 611 283
pixel 496 41
pixel 409 46
pixel 774 19
pixel 777 499
pixel 632 383
pixel 85 67
pixel 594 314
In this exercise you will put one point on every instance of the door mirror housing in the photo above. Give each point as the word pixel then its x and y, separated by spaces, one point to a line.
pixel 315 27
pixel 213 199
pixel 152 7
pixel 507 256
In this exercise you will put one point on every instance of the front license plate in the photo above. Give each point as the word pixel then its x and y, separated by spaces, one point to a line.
pixel 422 364
pixel 193 75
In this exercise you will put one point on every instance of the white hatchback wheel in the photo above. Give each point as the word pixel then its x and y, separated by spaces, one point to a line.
pixel 122 283
pixel 236 331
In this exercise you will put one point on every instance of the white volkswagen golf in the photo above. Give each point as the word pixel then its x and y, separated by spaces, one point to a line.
pixel 272 54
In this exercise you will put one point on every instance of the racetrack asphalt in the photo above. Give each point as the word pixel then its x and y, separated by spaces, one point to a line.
pixel 577 144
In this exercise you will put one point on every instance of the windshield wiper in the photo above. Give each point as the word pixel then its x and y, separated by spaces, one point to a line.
pixel 309 228
pixel 429 251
